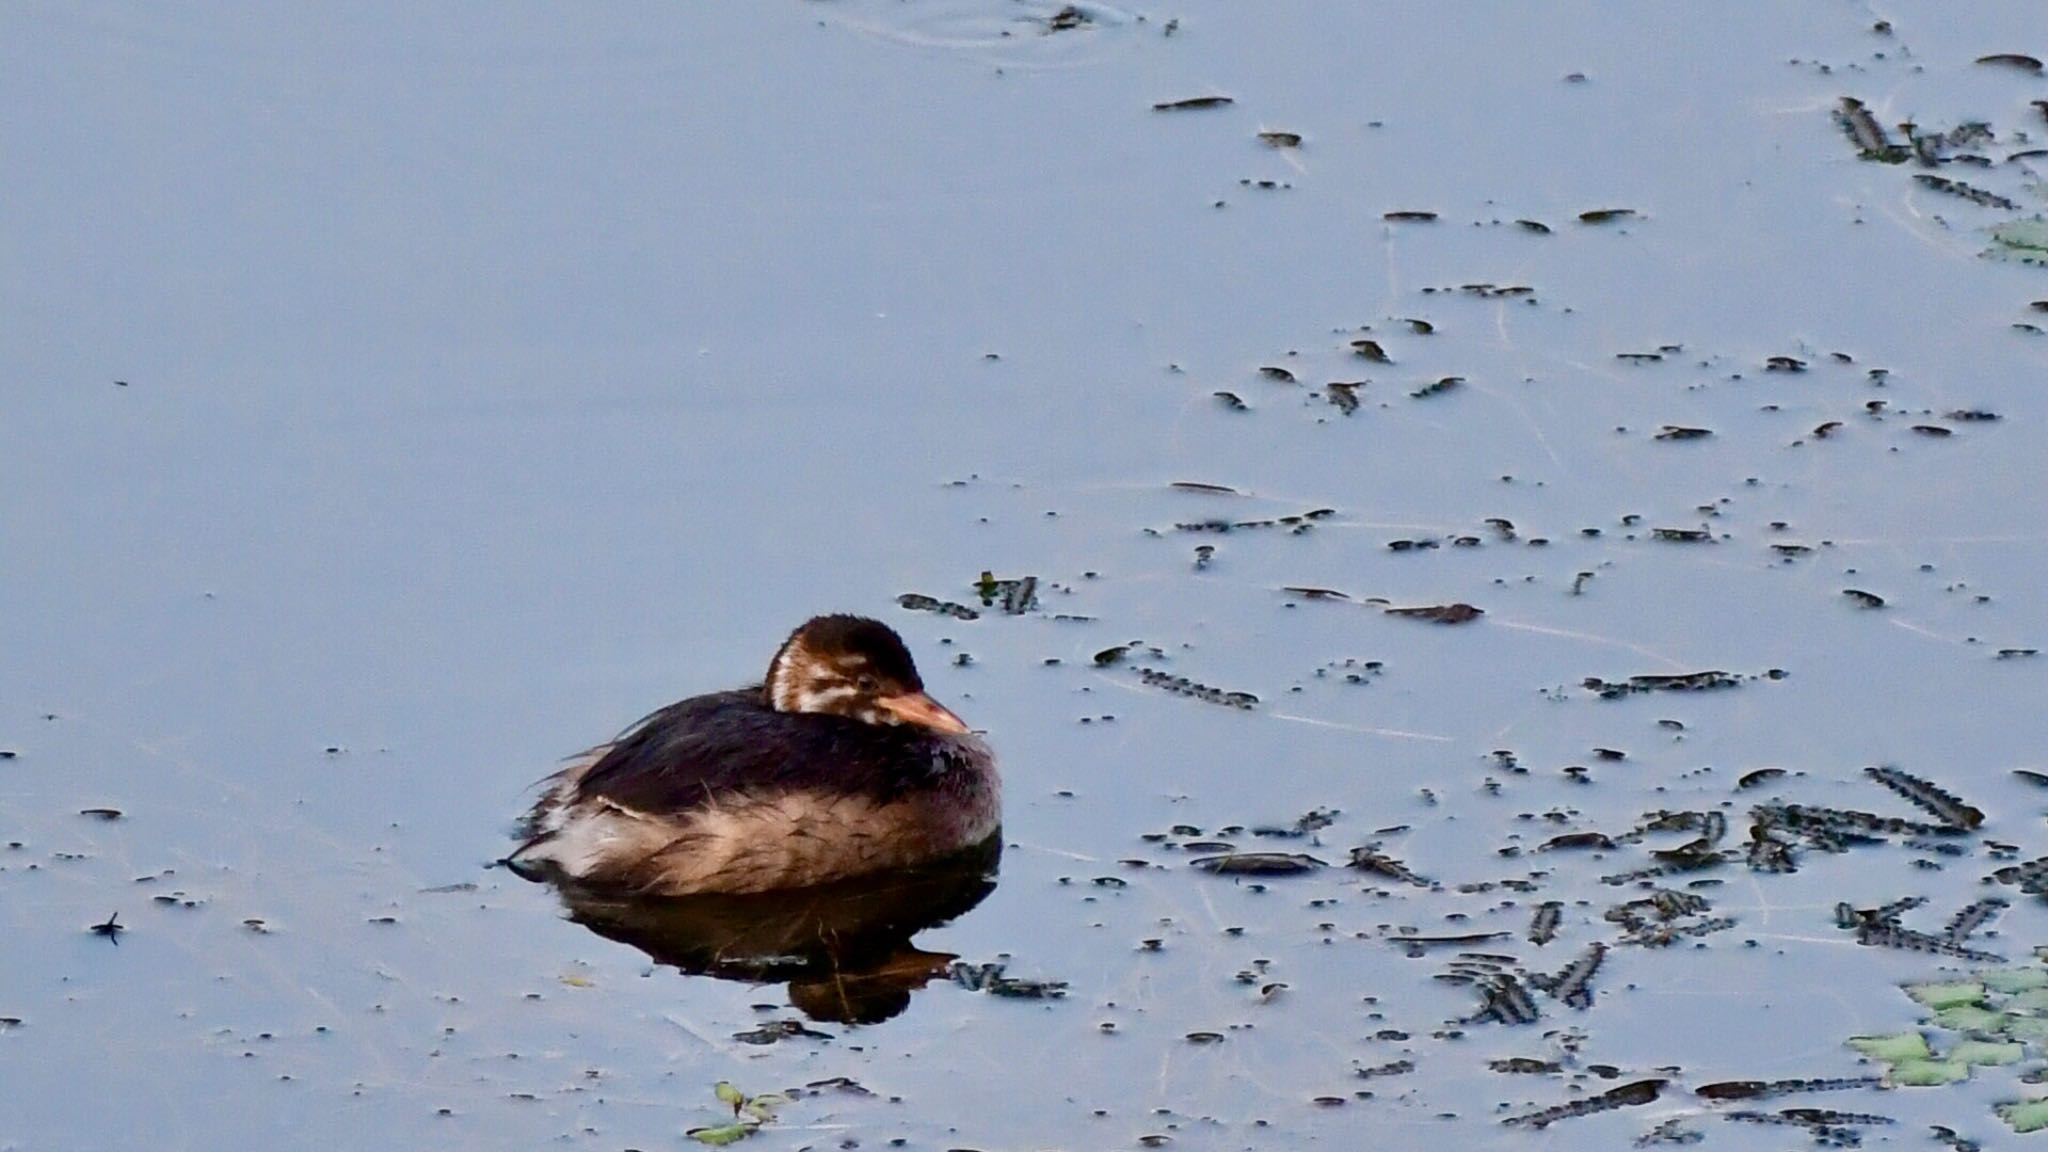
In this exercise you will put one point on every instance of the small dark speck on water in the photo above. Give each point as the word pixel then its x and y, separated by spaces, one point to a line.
pixel 111 928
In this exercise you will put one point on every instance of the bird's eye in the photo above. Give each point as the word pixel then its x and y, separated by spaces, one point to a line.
pixel 866 684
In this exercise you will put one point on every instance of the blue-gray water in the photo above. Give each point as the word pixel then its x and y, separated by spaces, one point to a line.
pixel 394 401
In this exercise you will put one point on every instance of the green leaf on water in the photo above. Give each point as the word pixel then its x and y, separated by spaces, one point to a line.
pixel 1940 996
pixel 2020 241
pixel 1970 1018
pixel 2010 980
pixel 727 1094
pixel 1986 1052
pixel 722 1135
pixel 1892 1049
pixel 2032 1028
pixel 2025 1115
pixel 1928 1073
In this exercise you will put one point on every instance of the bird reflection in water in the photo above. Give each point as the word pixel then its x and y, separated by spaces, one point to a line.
pixel 844 947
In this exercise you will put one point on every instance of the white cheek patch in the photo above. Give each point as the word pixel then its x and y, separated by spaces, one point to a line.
pixel 814 698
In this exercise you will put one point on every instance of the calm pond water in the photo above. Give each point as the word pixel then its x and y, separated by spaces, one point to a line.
pixel 396 401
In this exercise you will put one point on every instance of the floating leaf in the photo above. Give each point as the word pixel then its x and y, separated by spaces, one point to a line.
pixel 1986 1052
pixel 2010 980
pixel 727 1094
pixel 2021 241
pixel 1928 1073
pixel 2025 1115
pixel 1941 996
pixel 722 1135
pixel 1894 1048
pixel 1970 1018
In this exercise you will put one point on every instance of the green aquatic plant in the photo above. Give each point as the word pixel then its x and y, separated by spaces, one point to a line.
pixel 2020 241
pixel 749 1114
pixel 1993 1017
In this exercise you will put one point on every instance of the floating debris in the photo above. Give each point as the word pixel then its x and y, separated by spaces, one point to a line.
pixel 2031 877
pixel 1437 387
pixel 1765 1089
pixel 1759 776
pixel 1681 432
pixel 1969 192
pixel 2017 60
pixel 1066 19
pixel 991 978
pixel 1232 401
pixel 1606 215
pixel 1258 863
pixel 1872 143
pixel 1543 925
pixel 1971 917
pixel 1504 999
pixel 1864 599
pixel 1370 350
pixel 1627 1096
pixel 1309 593
pixel 1664 917
pixel 1193 103
pixel 918 602
pixel 1574 983
pixel 111 928
pixel 778 1030
pixel 1343 394
pixel 101 813
pixel 1568 841
pixel 1016 596
pixel 1198 486
pixel 1281 139
pixel 1682 535
pixel 1441 613
pixel 1299 522
pixel 1934 430
pixel 1682 682
pixel 1845 821
pixel 1182 686
pixel 1784 364
pixel 1536 226
pixel 1272 372
pixel 1418 217
pixel 1873 929
pixel 1369 858
pixel 1943 805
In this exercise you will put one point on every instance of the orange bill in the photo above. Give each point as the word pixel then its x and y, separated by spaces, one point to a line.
pixel 918 708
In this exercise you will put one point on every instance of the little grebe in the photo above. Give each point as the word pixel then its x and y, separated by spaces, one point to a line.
pixel 838 765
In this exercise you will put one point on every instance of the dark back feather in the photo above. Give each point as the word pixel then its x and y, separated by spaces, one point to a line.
pixel 726 742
